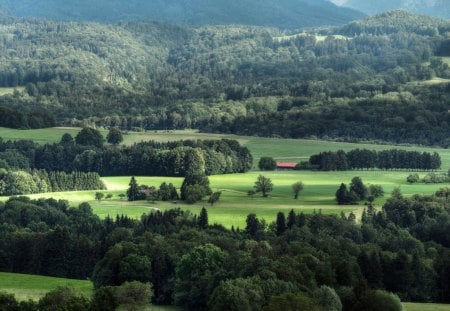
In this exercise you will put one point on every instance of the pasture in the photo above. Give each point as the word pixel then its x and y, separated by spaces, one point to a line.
pixel 26 287
pixel 281 149
pixel 235 204
pixel 408 306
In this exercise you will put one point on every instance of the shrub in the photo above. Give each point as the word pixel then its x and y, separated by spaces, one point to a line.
pixel 267 164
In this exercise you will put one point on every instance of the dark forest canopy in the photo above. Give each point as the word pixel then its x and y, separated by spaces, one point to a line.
pixel 282 13
pixel 403 248
pixel 145 158
pixel 383 78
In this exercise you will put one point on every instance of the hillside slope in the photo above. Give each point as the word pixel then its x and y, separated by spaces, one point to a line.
pixel 326 82
pixel 281 13
pixel 437 8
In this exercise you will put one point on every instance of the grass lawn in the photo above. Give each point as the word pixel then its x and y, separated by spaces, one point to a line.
pixel 10 90
pixel 281 149
pixel 33 287
pixel 235 205
pixel 407 306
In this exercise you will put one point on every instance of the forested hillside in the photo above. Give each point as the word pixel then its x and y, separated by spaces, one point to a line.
pixel 383 78
pixel 438 8
pixel 281 13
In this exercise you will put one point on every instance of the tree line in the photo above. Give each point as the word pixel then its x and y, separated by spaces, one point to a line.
pixel 370 159
pixel 87 153
pixel 298 258
pixel 19 182
pixel 19 120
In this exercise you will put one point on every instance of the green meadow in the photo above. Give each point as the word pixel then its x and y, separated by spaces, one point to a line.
pixel 33 287
pixel 281 149
pixel 407 306
pixel 10 90
pixel 235 204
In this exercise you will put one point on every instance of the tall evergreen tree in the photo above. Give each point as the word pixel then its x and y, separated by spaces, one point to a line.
pixel 133 190
pixel 281 223
pixel 203 219
pixel 291 219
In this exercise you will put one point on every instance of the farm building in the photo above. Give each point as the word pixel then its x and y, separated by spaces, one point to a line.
pixel 286 165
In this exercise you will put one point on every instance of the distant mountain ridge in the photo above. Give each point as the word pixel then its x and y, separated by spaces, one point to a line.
pixel 289 14
pixel 436 8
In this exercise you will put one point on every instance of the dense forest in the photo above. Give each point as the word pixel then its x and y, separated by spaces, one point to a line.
pixel 291 14
pixel 84 154
pixel 383 78
pixel 315 261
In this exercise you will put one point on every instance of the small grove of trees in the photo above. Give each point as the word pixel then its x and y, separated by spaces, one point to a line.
pixel 267 164
pixel 370 159
pixel 39 181
pixel 357 192
pixel 89 137
pixel 114 136
pixel 136 192
pixel 263 185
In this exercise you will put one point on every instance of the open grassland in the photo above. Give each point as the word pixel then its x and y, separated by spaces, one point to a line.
pixel 407 306
pixel 33 287
pixel 10 90
pixel 281 149
pixel 235 204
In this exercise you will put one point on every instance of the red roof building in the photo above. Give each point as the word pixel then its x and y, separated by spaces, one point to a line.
pixel 286 165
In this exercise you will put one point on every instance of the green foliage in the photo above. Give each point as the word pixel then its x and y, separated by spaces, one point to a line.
pixel 292 302
pixel 89 137
pixel 134 295
pixel 237 294
pixel 413 178
pixel 357 186
pixel 195 188
pixel 64 299
pixel 99 196
pixel 435 178
pixel 327 298
pixel 197 274
pixel 297 188
pixel 264 185
pixel 114 136
pixel 203 219
pixel 133 192
pixel 379 300
pixel 214 198
pixel 267 164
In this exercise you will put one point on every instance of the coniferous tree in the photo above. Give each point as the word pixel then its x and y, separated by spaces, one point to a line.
pixel 291 219
pixel 203 219
pixel 133 190
pixel 280 223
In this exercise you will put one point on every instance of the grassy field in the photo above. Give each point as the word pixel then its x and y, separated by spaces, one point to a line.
pixel 33 287
pixel 10 90
pixel 281 149
pixel 235 205
pixel 425 307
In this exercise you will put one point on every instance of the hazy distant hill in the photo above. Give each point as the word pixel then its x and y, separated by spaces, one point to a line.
pixel 280 13
pixel 437 8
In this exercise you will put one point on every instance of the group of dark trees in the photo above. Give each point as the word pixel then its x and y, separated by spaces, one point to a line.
pixel 20 120
pixel 86 153
pixel 16 182
pixel 370 159
pixel 314 261
pixel 350 83
pixel 357 192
